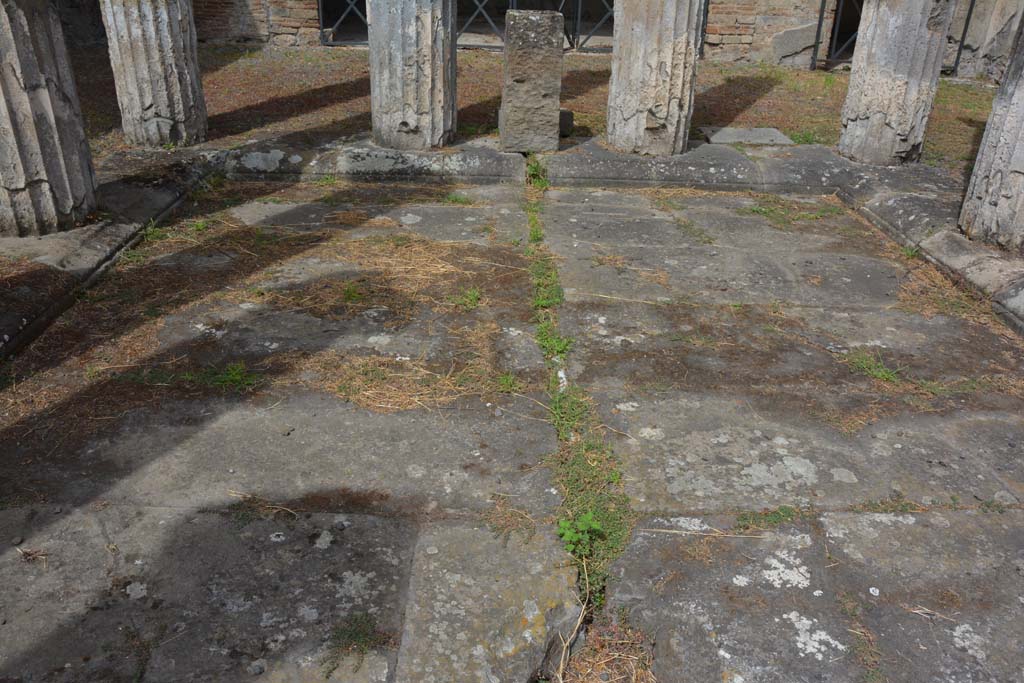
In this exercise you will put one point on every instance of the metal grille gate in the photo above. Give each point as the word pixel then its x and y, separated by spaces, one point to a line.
pixel 343 22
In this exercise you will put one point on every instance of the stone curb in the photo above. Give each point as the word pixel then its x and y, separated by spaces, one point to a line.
pixel 132 207
pixel 474 164
pixel 917 206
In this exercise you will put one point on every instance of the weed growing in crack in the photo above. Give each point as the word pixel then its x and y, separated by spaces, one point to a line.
pixel 536 173
pixel 456 199
pixel 768 519
pixel 355 637
pixel 553 345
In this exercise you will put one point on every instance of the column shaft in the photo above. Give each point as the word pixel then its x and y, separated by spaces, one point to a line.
pixel 654 69
pixel 412 72
pixel 895 74
pixel 156 70
pixel 994 208
pixel 46 176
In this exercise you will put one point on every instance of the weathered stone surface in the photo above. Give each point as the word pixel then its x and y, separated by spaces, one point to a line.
pixel 529 117
pixel 156 70
pixel 654 69
pixel 994 208
pixel 894 78
pixel 792 47
pixel 412 72
pixel 744 136
pixel 46 176
pixel 513 600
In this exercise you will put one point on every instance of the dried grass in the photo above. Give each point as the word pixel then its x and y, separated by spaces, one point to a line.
pixel 385 384
pixel 613 653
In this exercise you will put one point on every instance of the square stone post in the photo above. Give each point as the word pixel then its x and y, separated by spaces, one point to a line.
pixel 895 73
pixel 654 69
pixel 156 70
pixel 529 116
pixel 994 208
pixel 412 72
pixel 46 175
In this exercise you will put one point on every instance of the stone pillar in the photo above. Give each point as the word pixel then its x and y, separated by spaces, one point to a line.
pixel 895 73
pixel 654 68
pixel 156 70
pixel 994 208
pixel 46 175
pixel 530 113
pixel 412 72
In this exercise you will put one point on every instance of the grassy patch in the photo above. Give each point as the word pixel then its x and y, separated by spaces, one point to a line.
pixel 768 519
pixel 468 299
pixel 508 383
pixel 783 213
pixel 457 199
pixel 355 637
pixel 234 377
pixel 536 235
pixel 870 364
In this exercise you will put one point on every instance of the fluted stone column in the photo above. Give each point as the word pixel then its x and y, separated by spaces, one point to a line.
pixel 654 68
pixel 994 208
pixel 156 70
pixel 46 175
pixel 412 72
pixel 895 73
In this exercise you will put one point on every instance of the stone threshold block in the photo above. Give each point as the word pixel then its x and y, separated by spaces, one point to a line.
pixel 412 72
pixel 153 53
pixel 47 181
pixel 529 117
pixel 654 69
pixel 894 78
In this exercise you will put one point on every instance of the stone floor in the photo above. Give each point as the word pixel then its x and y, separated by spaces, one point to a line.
pixel 283 439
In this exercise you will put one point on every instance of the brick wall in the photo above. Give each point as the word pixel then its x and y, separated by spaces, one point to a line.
pixel 773 31
pixel 222 21
pixel 293 22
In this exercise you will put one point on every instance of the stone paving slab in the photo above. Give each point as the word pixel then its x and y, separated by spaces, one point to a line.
pixel 482 609
pixel 940 592
pixel 171 594
pixel 841 597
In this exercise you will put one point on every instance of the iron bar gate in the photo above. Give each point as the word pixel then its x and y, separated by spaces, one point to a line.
pixel 343 22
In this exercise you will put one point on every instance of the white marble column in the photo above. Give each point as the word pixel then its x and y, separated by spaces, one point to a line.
pixel 46 176
pixel 654 70
pixel 994 208
pixel 893 80
pixel 412 72
pixel 156 70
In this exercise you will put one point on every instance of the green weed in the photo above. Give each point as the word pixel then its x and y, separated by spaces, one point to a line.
pixel 871 365
pixel 356 636
pixel 467 300
pixel 767 519
pixel 553 345
pixel 508 383
pixel 457 199
pixel 536 174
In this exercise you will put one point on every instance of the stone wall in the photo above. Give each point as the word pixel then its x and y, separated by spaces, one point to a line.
pixel 293 22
